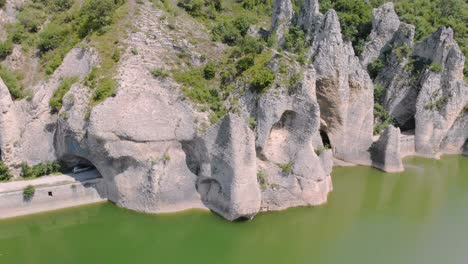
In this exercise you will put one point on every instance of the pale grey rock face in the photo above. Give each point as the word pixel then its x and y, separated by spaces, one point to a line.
pixel 443 94
pixel 9 127
pixel 385 23
pixel 134 141
pixel 386 151
pixel 456 140
pixel 33 125
pixel 400 85
pixel 281 19
pixel 309 17
pixel 224 160
pixel 286 125
pixel 344 92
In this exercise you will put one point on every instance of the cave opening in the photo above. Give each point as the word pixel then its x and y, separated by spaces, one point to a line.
pixel 407 127
pixel 325 139
pixel 80 168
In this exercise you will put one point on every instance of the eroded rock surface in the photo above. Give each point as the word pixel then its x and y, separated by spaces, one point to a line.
pixel 344 92
pixel 386 153
pixel 385 23
pixel 294 171
pixel 281 19
pixel 224 160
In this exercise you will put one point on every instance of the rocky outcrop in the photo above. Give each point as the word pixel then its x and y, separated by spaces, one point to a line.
pixel 344 92
pixel 309 17
pixel 386 151
pixel 293 171
pixel 385 23
pixel 281 19
pixel 456 140
pixel 224 160
pixel 31 126
pixel 399 83
pixel 443 92
pixel 9 127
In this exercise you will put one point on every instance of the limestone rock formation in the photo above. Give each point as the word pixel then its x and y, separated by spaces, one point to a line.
pixel 344 92
pixel 443 92
pixel 224 160
pixel 9 128
pixel 158 152
pixel 399 83
pixel 309 17
pixel 386 151
pixel 385 23
pixel 456 140
pixel 281 20
pixel 294 174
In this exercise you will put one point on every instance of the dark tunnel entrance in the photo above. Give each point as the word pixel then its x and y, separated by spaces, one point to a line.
pixel 325 139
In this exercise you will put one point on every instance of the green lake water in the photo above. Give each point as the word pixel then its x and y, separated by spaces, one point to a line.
pixel 416 217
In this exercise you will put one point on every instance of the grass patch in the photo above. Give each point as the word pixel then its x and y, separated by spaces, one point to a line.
pixel 56 101
pixel 5 174
pixel 286 168
pixel 42 169
pixel 262 179
pixel 12 82
pixel 160 73
pixel 28 192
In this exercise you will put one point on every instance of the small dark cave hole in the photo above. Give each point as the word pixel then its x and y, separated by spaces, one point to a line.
pixel 325 138
pixel 408 126
pixel 50 194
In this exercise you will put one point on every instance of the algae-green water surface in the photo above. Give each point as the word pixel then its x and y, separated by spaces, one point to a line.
pixel 419 216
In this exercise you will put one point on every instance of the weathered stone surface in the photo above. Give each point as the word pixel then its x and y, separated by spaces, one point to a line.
pixel 385 23
pixel 456 140
pixel 400 84
pixel 134 141
pixel 309 17
pixel 386 151
pixel 281 19
pixel 9 127
pixel 286 125
pixel 344 92
pixel 443 94
pixel 224 160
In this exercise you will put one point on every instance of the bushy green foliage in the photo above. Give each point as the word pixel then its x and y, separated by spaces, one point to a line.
pixel 96 15
pixel 435 67
pixel 107 87
pixel 402 52
pixel 193 7
pixel 40 170
pixel 286 168
pixel 227 32
pixel 28 192
pixel 6 47
pixel 32 16
pixel 2 3
pixel 262 79
pixel 382 119
pixel 12 82
pixel 209 71
pixel 159 73
pixel 56 101
pixel 295 40
pixel 245 63
pixel 437 104
pixel 5 174
pixel 355 19
pixel 51 37
pixel 416 65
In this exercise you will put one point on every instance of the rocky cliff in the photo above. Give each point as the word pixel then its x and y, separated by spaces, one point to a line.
pixel 275 148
